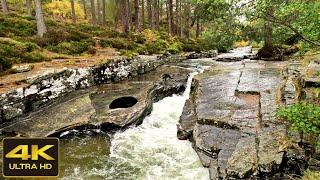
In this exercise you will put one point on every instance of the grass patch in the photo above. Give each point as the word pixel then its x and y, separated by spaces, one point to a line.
pixel 309 175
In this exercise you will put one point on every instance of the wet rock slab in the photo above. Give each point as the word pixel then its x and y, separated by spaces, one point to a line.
pixel 187 121
pixel 236 132
pixel 244 159
pixel 92 108
pixel 236 55
pixel 270 154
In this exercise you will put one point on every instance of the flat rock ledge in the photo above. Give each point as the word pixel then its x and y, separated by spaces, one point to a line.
pixel 108 107
pixel 231 120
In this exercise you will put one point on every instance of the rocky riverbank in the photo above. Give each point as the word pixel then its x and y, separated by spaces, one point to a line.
pixel 231 118
pixel 85 95
pixel 40 90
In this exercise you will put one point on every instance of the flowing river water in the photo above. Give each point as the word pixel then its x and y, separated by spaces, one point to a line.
pixel 148 151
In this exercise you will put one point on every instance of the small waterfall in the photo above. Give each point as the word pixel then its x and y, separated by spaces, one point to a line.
pixel 149 151
pixel 153 147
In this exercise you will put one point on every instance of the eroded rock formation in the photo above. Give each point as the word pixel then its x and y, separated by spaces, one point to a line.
pixel 90 108
pixel 231 119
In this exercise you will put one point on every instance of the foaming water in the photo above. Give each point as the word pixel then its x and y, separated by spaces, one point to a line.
pixel 154 148
pixel 149 151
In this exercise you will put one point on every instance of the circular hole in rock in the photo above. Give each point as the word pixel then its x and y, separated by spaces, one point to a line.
pixel 123 102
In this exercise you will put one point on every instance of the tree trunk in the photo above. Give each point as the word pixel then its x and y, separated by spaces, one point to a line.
pixel 129 18
pixel 124 18
pixel 4 6
pixel 99 11
pixel 156 13
pixel 73 12
pixel 142 14
pixel 153 15
pixel 85 9
pixel 117 15
pixel 41 27
pixel 150 19
pixel 29 7
pixel 160 10
pixel 268 28
pixel 177 29
pixel 181 24
pixel 198 31
pixel 268 50
pixel 93 13
pixel 187 9
pixel 166 10
pixel 136 16
pixel 170 17
pixel 104 20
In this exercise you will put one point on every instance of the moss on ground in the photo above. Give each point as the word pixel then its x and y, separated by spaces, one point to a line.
pixel 19 42
pixel 309 175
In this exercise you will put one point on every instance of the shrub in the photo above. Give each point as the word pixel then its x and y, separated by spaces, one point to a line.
pixel 138 38
pixel 241 43
pixel 174 48
pixel 309 175
pixel 149 35
pixel 118 43
pixel 35 56
pixel 73 47
pixel 13 51
pixel 112 34
pixel 14 25
pixel 303 117
pixel 191 46
pixel 75 35
pixel 5 63
pixel 127 53
pixel 256 44
pixel 220 41
pixel 157 46
pixel 52 38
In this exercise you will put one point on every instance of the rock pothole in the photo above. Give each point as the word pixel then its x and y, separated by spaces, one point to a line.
pixel 123 102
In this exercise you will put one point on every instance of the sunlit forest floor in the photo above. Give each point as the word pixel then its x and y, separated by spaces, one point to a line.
pixel 19 42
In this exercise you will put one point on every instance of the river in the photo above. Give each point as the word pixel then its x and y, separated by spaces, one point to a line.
pixel 148 151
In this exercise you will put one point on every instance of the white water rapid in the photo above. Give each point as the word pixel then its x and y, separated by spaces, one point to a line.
pixel 154 147
pixel 150 151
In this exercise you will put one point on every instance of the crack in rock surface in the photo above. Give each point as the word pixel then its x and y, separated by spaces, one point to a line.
pixel 236 132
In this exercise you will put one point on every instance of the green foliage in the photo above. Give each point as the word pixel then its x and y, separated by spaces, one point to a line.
pixel 127 53
pixel 72 47
pixel 304 118
pixel 34 56
pixel 118 43
pixel 5 63
pixel 303 16
pixel 221 42
pixel 62 9
pixel 222 23
pixel 17 51
pixel 148 42
pixel 12 51
pixel 174 48
pixel 310 175
pixel 255 44
pixel 13 25
pixel 191 46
